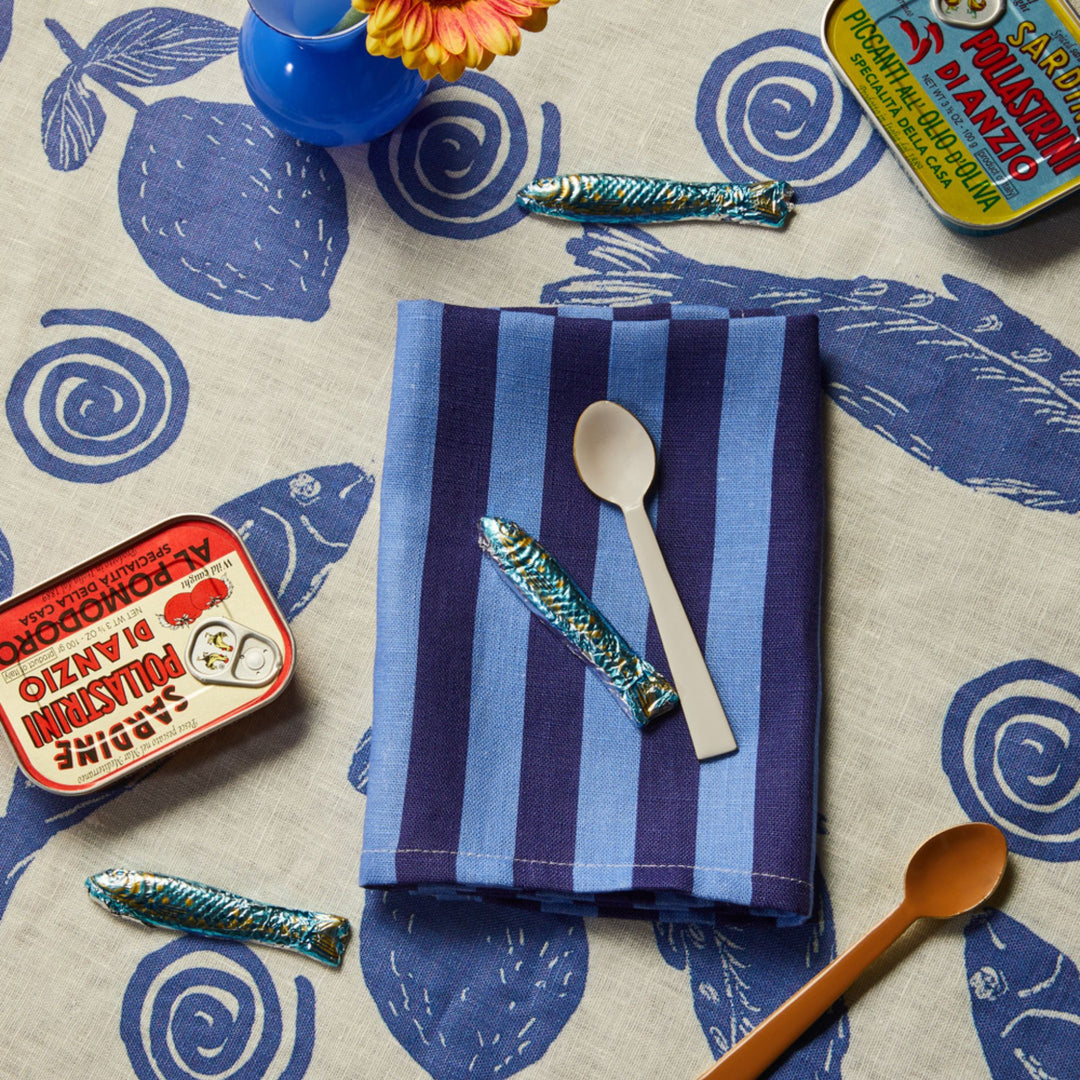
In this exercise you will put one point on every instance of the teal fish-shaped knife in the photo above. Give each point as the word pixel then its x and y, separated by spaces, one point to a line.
pixel 176 904
pixel 607 198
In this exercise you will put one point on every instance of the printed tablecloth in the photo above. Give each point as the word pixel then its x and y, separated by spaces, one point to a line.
pixel 154 363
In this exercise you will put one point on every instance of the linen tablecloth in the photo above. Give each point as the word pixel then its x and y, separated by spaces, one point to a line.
pixel 950 657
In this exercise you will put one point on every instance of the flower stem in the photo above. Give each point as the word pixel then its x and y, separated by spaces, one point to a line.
pixel 349 19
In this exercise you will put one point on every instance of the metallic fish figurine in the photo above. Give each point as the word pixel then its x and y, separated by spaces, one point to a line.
pixel 175 904
pixel 546 587
pixel 604 198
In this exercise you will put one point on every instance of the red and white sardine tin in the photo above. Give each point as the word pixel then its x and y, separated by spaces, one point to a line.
pixel 132 654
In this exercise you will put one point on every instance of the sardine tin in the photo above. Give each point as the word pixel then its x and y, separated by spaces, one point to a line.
pixel 96 676
pixel 984 119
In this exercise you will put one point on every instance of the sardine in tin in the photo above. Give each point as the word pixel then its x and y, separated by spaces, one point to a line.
pixel 136 652
pixel 979 99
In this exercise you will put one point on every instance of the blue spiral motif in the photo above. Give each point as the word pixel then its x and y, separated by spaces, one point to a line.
pixel 1011 750
pixel 453 170
pixel 771 108
pixel 90 409
pixel 216 1014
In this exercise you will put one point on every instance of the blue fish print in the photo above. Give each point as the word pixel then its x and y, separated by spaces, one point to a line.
pixel 298 527
pixel 962 382
pixel 223 208
pixel 1025 1000
pixel 514 979
pixel 740 971
pixel 7 569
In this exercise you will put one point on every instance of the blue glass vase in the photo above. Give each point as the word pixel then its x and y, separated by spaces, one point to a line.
pixel 319 83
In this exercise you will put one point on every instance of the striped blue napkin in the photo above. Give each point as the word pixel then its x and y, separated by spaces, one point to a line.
pixel 501 768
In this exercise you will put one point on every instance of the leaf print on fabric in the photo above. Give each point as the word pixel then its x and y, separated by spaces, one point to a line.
pixel 226 210
pixel 740 971
pixel 959 380
pixel 516 978
pixel 1025 999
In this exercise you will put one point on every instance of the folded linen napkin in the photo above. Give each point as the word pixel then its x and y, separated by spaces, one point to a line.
pixel 501 768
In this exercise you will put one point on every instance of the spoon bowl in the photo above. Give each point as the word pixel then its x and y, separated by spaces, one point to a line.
pixel 614 454
pixel 955 870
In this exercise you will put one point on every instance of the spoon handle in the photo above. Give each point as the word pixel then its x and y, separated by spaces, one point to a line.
pixel 705 717
pixel 755 1052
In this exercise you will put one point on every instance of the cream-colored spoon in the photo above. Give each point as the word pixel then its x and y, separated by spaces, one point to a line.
pixel 953 872
pixel 616 459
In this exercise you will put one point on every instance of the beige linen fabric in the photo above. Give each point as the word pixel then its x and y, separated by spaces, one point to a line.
pixel 928 584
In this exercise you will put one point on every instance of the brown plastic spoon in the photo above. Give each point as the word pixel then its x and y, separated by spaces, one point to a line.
pixel 953 872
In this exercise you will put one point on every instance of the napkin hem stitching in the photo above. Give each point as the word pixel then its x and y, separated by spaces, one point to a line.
pixel 592 865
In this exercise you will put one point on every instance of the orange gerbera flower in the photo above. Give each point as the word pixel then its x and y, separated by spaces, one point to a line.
pixel 444 37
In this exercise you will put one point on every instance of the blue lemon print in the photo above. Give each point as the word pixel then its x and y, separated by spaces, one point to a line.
pixel 207 1011
pixel 89 408
pixel 455 167
pixel 1011 749
pixel 1024 999
pixel 224 209
pixel 772 108
pixel 515 979
pixel 958 379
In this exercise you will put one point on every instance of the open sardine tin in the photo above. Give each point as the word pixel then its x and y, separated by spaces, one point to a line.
pixel 136 652
pixel 979 99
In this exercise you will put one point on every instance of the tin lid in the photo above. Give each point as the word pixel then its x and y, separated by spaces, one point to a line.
pixel 136 652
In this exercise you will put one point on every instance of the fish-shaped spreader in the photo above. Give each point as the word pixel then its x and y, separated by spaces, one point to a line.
pixel 551 593
pixel 176 904
pixel 606 198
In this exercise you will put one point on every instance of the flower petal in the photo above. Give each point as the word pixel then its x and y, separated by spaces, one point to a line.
pixel 516 9
pixel 486 61
pixel 450 30
pixel 416 27
pixel 474 52
pixel 536 21
pixel 434 53
pixel 365 5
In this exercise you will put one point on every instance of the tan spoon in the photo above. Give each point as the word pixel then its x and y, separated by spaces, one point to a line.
pixel 953 872
pixel 616 459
